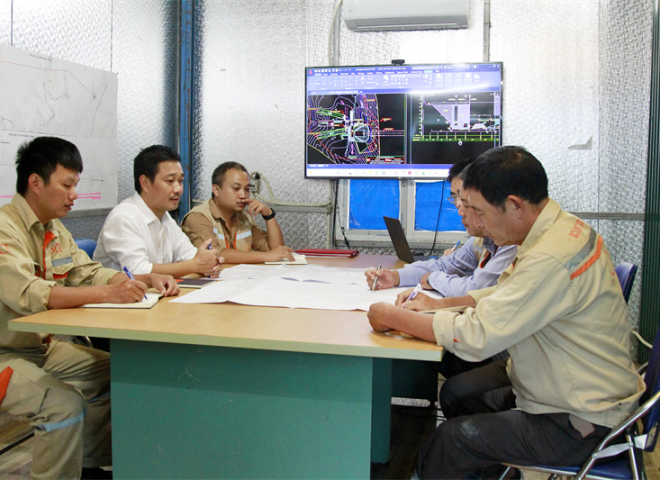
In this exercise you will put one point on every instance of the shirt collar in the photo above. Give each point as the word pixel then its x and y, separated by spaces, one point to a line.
pixel 146 212
pixel 545 220
pixel 28 216
pixel 239 217
pixel 489 245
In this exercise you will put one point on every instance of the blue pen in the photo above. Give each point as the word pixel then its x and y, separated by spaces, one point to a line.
pixel 456 246
pixel 130 275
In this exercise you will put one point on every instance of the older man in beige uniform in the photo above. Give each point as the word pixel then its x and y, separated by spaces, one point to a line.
pixel 559 311
pixel 63 388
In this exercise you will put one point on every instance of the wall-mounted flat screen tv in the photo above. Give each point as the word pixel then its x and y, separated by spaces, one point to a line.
pixel 400 121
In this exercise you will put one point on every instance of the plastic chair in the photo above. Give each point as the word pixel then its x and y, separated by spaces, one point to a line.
pixel 632 464
pixel 86 244
pixel 626 273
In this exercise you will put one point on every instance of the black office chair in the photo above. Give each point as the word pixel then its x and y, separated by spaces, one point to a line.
pixel 626 458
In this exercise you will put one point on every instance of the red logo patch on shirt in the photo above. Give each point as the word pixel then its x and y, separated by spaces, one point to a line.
pixel 3 248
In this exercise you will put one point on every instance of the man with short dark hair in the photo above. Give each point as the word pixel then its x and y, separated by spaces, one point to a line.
pixel 139 233
pixel 478 264
pixel 560 313
pixel 63 388
pixel 227 218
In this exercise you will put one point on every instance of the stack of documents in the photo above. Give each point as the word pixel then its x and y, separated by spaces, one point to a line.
pixel 315 287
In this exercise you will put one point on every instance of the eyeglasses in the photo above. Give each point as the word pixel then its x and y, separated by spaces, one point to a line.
pixel 451 199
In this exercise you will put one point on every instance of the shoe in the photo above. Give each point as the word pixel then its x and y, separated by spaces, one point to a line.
pixel 95 473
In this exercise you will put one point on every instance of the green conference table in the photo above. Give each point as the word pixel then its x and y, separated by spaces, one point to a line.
pixel 234 391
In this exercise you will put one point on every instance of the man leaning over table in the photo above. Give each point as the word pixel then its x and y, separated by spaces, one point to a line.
pixel 478 264
pixel 140 234
pixel 560 313
pixel 63 388
pixel 227 218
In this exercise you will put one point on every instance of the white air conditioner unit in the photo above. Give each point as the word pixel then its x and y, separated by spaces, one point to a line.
pixel 375 15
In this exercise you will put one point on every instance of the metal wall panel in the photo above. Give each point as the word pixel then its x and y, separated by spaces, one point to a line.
pixel 145 56
pixel 137 39
pixel 73 30
pixel 5 21
pixel 250 105
pixel 624 240
pixel 625 73
pixel 550 98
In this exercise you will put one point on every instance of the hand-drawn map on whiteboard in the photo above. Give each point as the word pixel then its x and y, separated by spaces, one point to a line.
pixel 44 96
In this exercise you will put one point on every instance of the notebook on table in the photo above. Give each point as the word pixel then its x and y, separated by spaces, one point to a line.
pixel 150 301
pixel 195 282
pixel 398 237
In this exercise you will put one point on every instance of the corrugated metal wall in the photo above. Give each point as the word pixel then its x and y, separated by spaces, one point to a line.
pixel 577 77
pixel 576 95
pixel 137 39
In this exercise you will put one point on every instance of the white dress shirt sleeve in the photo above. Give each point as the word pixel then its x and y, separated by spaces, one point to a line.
pixel 123 241
pixel 182 247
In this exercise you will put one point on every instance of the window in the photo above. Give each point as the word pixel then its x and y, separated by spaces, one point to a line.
pixel 420 205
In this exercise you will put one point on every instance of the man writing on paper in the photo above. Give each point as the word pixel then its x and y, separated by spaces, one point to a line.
pixel 559 311
pixel 63 388
pixel 140 234
pixel 478 264
pixel 227 219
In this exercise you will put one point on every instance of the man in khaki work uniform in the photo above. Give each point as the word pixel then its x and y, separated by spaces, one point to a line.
pixel 559 311
pixel 233 231
pixel 63 388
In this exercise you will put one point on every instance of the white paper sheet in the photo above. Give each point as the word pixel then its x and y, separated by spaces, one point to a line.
pixel 313 286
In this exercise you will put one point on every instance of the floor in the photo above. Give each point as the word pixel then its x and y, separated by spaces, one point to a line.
pixel 412 423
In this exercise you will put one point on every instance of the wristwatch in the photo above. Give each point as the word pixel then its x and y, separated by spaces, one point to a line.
pixel 268 217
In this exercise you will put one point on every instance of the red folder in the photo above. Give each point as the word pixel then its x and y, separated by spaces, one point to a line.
pixel 324 252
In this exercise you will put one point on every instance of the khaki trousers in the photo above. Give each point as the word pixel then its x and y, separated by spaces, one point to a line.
pixel 65 392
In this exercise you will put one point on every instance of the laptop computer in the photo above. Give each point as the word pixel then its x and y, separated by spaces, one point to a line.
pixel 398 237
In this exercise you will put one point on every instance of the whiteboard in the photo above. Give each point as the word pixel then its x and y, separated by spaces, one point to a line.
pixel 41 95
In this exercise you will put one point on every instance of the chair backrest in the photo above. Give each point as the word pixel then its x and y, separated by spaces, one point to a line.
pixel 86 244
pixel 626 273
pixel 652 380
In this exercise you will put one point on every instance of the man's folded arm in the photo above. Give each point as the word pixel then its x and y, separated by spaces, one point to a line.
pixel 514 310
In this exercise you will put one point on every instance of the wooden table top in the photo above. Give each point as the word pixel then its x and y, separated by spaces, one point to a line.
pixel 242 326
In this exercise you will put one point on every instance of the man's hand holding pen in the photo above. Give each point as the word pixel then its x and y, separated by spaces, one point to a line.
pixel 386 278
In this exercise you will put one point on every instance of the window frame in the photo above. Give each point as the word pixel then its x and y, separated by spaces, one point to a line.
pixel 418 240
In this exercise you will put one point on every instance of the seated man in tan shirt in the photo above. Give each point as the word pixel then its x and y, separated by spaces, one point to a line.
pixel 559 311
pixel 226 221
pixel 64 389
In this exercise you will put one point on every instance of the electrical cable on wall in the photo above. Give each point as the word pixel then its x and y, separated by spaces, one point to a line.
pixel 341 227
pixel 437 223
pixel 273 201
pixel 331 36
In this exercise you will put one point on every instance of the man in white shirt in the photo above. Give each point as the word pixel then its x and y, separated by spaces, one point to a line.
pixel 140 234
